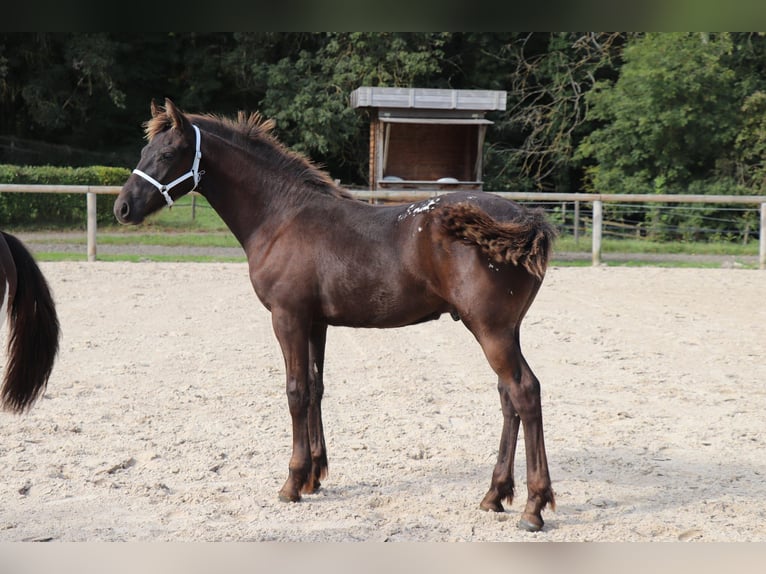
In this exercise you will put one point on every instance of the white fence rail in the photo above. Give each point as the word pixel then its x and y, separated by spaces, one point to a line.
pixel 598 199
pixel 393 195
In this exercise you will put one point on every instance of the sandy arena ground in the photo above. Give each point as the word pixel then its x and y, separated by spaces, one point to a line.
pixel 166 419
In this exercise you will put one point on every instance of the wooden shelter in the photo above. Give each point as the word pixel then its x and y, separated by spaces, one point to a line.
pixel 427 138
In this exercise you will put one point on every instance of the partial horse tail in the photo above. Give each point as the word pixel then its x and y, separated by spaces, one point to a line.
pixel 33 333
pixel 526 240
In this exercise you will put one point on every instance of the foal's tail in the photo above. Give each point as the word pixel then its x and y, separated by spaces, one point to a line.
pixel 33 340
pixel 526 240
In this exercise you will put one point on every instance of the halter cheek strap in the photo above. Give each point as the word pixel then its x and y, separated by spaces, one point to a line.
pixel 195 173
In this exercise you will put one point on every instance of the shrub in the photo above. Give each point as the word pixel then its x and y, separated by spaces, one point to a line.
pixel 55 209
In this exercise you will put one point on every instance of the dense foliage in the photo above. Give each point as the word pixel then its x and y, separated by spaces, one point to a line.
pixel 65 209
pixel 609 112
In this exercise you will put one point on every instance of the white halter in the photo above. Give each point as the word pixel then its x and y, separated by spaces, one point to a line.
pixel 194 173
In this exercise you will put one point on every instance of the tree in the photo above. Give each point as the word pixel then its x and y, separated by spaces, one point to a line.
pixel 749 155
pixel 670 124
pixel 549 77
pixel 306 87
pixel 668 119
pixel 750 145
pixel 47 80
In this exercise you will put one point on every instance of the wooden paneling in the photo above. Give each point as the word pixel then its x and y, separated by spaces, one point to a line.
pixel 429 152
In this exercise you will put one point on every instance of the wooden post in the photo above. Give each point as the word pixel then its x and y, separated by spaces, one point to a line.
pixel 563 215
pixel 577 222
pixel 479 165
pixel 373 154
pixel 762 244
pixel 597 223
pixel 91 210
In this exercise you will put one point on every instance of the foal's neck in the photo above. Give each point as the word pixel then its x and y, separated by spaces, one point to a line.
pixel 247 193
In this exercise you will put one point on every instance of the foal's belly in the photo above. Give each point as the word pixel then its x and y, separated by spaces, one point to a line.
pixel 383 323
pixel 383 313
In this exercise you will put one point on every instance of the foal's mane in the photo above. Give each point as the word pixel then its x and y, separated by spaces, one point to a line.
pixel 253 134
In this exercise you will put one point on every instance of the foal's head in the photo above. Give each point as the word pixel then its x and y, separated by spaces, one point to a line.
pixel 167 159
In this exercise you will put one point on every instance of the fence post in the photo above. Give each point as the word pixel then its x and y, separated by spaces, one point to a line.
pixel 597 223
pixel 91 199
pixel 762 244
pixel 577 222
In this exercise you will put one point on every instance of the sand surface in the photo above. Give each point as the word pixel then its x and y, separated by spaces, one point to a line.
pixel 166 418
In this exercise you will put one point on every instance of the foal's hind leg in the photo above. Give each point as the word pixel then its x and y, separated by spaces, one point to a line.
pixel 502 484
pixel 317 341
pixel 520 397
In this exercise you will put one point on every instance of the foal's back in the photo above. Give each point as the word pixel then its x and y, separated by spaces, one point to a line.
pixel 359 265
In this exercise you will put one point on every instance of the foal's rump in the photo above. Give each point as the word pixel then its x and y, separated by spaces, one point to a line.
pixel 507 233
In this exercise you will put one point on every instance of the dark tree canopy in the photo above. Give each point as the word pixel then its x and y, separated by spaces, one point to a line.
pixel 626 112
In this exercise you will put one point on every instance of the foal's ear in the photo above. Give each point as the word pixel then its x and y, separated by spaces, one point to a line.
pixel 154 108
pixel 174 114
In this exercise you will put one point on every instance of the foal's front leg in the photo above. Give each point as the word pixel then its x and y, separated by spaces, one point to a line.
pixel 293 337
pixel 316 391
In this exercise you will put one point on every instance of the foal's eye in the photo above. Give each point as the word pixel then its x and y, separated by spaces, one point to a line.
pixel 167 155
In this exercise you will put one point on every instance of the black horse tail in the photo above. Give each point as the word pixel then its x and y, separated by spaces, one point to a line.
pixel 526 240
pixel 34 333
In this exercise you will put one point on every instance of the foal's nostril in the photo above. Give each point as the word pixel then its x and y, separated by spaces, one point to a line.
pixel 123 210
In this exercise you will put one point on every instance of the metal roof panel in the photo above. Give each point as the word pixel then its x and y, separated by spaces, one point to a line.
pixel 428 98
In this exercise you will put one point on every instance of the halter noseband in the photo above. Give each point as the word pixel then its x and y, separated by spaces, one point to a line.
pixel 194 173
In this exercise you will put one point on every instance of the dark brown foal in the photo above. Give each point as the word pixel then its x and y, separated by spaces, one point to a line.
pixel 319 258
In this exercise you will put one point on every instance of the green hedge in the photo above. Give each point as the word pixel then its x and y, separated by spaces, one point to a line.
pixel 56 209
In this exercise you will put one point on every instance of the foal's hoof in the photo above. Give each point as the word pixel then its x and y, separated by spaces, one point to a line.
pixel 530 524
pixel 491 506
pixel 491 502
pixel 311 488
pixel 284 497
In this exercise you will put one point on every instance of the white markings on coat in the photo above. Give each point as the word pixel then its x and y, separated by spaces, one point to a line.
pixel 420 207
